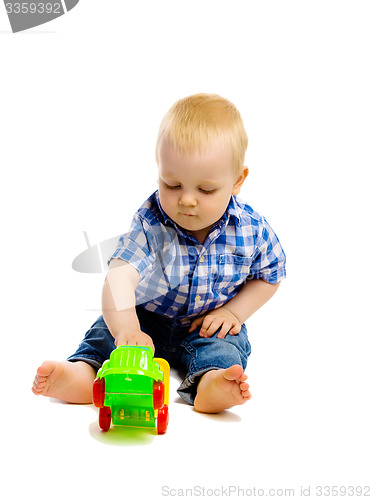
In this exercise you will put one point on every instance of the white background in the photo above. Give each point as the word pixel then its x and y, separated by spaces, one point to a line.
pixel 81 99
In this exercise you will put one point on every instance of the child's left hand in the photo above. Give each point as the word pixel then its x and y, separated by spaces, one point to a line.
pixel 212 321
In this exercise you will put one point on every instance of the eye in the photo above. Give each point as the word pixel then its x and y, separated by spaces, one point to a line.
pixel 172 187
pixel 206 191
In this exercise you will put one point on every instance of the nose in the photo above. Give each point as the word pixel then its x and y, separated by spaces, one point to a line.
pixel 187 200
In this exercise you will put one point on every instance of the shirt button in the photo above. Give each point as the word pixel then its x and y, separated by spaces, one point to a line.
pixel 202 259
pixel 197 298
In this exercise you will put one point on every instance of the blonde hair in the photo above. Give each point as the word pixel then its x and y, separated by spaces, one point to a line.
pixel 194 122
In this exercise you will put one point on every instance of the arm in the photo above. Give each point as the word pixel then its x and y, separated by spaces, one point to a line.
pixel 253 295
pixel 118 305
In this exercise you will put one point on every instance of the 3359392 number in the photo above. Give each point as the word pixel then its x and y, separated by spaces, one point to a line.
pixel 33 8
pixel 343 491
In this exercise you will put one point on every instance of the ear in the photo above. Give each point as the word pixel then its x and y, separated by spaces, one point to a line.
pixel 240 180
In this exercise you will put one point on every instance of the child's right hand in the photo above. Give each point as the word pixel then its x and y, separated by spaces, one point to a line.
pixel 134 338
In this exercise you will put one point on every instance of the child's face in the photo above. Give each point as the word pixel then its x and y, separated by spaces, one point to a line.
pixel 195 188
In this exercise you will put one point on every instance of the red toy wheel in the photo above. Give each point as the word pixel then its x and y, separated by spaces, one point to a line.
pixel 105 418
pixel 158 394
pixel 163 419
pixel 99 392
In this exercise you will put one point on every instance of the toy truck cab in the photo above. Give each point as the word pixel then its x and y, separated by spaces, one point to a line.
pixel 132 389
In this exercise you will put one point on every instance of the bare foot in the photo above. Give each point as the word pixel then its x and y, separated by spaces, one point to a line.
pixel 222 389
pixel 71 382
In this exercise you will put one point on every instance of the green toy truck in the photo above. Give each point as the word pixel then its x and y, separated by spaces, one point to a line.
pixel 132 389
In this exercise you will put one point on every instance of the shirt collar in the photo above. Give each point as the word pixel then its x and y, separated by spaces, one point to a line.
pixel 232 209
pixel 161 215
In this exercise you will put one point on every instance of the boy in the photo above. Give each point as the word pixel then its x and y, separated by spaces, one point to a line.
pixel 195 265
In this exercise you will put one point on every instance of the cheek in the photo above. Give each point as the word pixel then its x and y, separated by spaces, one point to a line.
pixel 211 206
pixel 218 205
pixel 167 198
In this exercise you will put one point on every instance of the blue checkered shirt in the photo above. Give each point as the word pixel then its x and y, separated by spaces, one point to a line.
pixel 180 278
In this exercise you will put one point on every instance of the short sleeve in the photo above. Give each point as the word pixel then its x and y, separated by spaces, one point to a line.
pixel 269 259
pixel 134 246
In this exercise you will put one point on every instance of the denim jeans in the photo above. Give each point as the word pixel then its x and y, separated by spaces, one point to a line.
pixel 188 352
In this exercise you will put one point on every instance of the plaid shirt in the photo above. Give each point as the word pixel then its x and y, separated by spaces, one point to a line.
pixel 180 278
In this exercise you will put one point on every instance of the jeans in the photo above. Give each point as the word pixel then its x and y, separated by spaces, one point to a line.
pixel 188 352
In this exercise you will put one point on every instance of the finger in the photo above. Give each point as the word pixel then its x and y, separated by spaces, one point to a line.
pixel 197 322
pixel 216 325
pixel 211 326
pixel 208 320
pixel 226 326
pixel 150 344
pixel 235 329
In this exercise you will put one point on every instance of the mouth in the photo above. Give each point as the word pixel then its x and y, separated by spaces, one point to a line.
pixel 188 215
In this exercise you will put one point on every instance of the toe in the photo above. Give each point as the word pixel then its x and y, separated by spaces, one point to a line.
pixel 246 394
pixel 241 379
pixel 38 386
pixel 45 369
pixel 36 389
pixel 233 372
pixel 244 386
pixel 40 381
